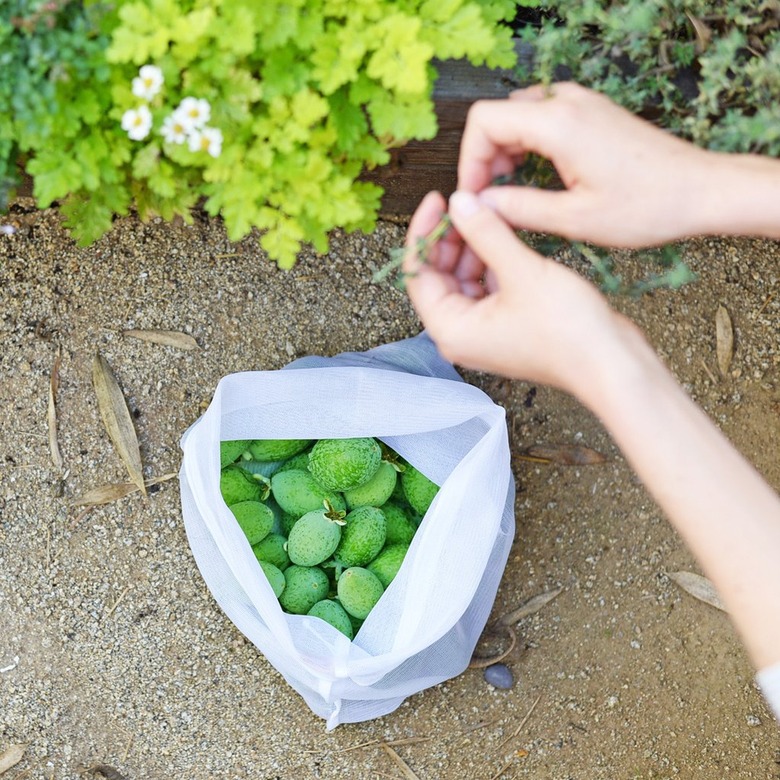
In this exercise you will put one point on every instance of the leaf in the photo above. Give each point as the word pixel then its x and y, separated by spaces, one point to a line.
pixel 529 607
pixel 106 494
pixel 699 587
pixel 168 338
pixel 724 339
pixel 117 420
pixel 565 454
pixel 11 757
pixel 54 382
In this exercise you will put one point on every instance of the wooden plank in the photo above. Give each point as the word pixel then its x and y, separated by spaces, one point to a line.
pixel 422 166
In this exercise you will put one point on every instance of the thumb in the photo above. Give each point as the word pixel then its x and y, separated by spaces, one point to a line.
pixel 491 238
pixel 538 210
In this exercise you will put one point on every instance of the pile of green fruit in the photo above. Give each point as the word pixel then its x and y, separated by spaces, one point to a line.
pixel 329 520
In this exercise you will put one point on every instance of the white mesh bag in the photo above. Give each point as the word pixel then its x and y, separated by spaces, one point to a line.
pixel 424 628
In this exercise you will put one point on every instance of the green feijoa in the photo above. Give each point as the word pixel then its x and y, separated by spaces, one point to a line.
pixel 287 522
pixel 362 537
pixel 297 492
pixel 276 449
pixel 315 536
pixel 332 612
pixel 388 562
pixel 356 624
pixel 236 485
pixel 230 451
pixel 272 549
pixel 400 527
pixel 358 591
pixel 344 464
pixel 299 461
pixel 304 586
pixel 255 519
pixel 275 577
pixel 376 491
pixel 418 489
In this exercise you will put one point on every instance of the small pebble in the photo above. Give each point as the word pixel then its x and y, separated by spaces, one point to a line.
pixel 499 676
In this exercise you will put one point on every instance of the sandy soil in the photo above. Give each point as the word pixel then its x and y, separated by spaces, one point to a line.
pixel 112 650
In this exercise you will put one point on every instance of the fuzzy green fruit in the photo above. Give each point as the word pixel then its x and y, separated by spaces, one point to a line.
pixel 400 527
pixel 297 492
pixel 376 491
pixel 344 464
pixel 299 461
pixel 418 489
pixel 315 536
pixel 276 449
pixel 275 577
pixel 362 537
pixel 272 550
pixel 358 591
pixel 231 451
pixel 304 587
pixel 236 485
pixel 388 562
pixel 255 519
pixel 332 612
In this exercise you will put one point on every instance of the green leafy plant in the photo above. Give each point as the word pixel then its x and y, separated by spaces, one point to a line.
pixel 707 70
pixel 293 100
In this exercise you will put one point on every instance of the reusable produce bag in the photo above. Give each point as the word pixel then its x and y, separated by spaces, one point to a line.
pixel 425 627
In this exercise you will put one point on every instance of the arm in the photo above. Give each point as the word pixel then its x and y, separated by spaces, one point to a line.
pixel 572 340
pixel 627 182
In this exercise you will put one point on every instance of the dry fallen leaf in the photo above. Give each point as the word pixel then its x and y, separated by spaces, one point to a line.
pixel 105 494
pixel 405 769
pixel 116 418
pixel 107 771
pixel 168 338
pixel 54 383
pixel 11 757
pixel 530 607
pixel 703 33
pixel 699 587
pixel 564 454
pixel 724 339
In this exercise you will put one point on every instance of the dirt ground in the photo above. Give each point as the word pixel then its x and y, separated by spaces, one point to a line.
pixel 112 650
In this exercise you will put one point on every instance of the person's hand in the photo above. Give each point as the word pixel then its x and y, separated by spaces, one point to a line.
pixel 628 183
pixel 490 302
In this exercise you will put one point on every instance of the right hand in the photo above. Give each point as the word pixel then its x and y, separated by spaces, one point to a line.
pixel 628 183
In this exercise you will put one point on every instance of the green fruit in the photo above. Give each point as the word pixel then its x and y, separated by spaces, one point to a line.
pixel 231 451
pixel 356 624
pixel 236 485
pixel 344 464
pixel 418 489
pixel 376 491
pixel 276 449
pixel 400 527
pixel 314 537
pixel 287 522
pixel 332 612
pixel 297 492
pixel 272 550
pixel 358 591
pixel 362 537
pixel 255 519
pixel 388 562
pixel 275 577
pixel 304 587
pixel 299 461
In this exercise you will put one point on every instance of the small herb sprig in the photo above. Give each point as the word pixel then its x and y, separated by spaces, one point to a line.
pixel 536 171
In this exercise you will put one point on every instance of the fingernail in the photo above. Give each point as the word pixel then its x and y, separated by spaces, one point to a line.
pixel 463 204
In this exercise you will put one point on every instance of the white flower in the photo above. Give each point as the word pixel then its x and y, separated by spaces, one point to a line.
pixel 209 139
pixel 137 122
pixel 174 130
pixel 193 113
pixel 148 82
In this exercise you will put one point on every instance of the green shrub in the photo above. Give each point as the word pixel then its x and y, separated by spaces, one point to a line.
pixel 266 112
pixel 707 70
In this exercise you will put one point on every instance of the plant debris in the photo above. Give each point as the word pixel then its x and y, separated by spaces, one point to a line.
pixel 107 494
pixel 530 607
pixel 167 338
pixel 563 455
pixel 483 661
pixel 406 770
pixel 54 383
pixel 699 587
pixel 724 339
pixel 11 757
pixel 106 771
pixel 117 420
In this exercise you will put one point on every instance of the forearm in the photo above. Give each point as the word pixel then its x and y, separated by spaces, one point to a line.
pixel 721 507
pixel 738 195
